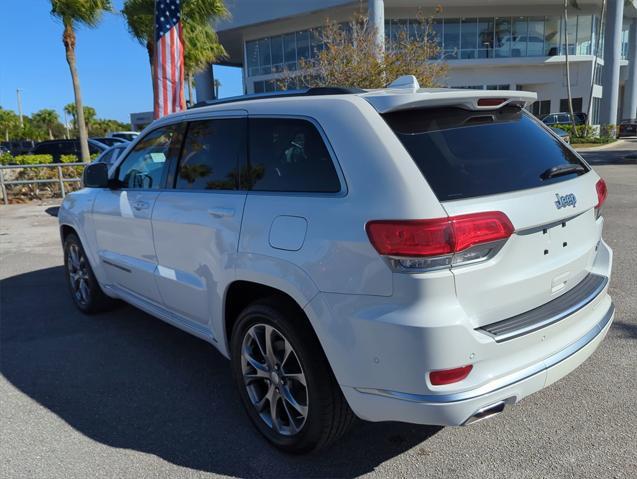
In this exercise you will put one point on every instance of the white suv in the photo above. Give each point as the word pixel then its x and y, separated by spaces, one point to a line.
pixel 425 256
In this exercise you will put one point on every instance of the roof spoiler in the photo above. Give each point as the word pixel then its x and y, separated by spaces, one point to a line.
pixel 388 101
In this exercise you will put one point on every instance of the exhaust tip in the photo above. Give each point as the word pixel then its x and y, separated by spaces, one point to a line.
pixel 486 413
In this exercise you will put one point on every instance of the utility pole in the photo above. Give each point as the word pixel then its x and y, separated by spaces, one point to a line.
pixel 19 97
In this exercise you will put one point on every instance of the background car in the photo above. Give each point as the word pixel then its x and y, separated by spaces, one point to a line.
pixel 111 154
pixel 19 147
pixel 564 118
pixel 562 134
pixel 109 141
pixel 628 127
pixel 124 135
pixel 57 148
pixel 4 150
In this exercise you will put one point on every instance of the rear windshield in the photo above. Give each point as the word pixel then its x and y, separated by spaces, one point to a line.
pixel 464 154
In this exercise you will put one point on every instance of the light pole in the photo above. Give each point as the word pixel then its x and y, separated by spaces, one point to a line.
pixel 19 97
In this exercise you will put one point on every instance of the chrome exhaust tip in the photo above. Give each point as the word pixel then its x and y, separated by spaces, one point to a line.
pixel 486 412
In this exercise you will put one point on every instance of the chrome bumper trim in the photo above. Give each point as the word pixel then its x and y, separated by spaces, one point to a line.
pixel 552 312
pixel 505 381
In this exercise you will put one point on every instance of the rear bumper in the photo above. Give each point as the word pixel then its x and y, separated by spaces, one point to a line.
pixel 458 408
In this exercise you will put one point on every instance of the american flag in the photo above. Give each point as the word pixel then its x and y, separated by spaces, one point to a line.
pixel 169 58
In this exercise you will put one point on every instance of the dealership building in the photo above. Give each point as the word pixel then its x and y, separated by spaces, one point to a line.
pixel 488 44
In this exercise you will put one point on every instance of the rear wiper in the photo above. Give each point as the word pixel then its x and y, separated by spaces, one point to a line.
pixel 560 170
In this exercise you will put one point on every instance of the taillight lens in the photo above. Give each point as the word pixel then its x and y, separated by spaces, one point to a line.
pixel 477 228
pixel 491 101
pixel 449 376
pixel 602 193
pixel 443 236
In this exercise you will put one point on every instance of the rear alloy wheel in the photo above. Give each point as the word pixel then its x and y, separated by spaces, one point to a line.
pixel 284 380
pixel 274 379
pixel 85 290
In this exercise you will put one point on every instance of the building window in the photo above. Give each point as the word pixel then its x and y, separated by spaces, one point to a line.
pixel 451 38
pixel 584 34
pixel 551 36
pixel 595 112
pixel 502 37
pixel 468 37
pixel 485 37
pixel 535 39
pixel 577 104
pixel 464 38
pixel 541 108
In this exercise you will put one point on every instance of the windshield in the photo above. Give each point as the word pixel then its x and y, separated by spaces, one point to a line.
pixel 465 154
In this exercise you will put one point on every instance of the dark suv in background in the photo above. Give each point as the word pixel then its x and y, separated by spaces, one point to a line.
pixel 564 118
pixel 57 148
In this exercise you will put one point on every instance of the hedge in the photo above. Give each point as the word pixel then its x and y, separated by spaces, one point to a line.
pixel 26 159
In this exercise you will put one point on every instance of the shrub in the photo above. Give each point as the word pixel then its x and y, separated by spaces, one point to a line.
pixel 27 159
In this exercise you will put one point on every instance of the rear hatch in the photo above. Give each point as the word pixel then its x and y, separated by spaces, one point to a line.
pixel 504 160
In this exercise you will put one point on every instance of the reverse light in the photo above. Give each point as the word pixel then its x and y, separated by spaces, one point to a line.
pixel 428 244
pixel 449 376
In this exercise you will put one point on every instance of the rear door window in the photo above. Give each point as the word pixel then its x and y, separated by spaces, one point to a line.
pixel 465 154
pixel 289 155
pixel 213 153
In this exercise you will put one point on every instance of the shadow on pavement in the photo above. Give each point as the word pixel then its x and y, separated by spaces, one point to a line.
pixel 128 380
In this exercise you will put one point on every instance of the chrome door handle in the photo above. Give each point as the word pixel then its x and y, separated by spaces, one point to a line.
pixel 140 205
pixel 221 212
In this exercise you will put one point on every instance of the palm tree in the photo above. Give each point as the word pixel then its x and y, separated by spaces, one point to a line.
pixel 202 48
pixel 89 115
pixel 201 45
pixel 72 13
pixel 47 119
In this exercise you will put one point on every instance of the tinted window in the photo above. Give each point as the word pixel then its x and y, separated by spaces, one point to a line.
pixel 47 149
pixel 145 164
pixel 289 155
pixel 464 154
pixel 213 152
pixel 69 148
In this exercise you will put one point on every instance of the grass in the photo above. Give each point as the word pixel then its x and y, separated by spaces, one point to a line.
pixel 591 142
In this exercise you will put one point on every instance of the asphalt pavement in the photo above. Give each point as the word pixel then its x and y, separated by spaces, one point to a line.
pixel 124 395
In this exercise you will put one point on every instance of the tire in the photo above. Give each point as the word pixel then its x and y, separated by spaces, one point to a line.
pixel 327 415
pixel 83 286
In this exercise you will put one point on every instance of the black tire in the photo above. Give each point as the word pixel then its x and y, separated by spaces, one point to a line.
pixel 328 414
pixel 92 300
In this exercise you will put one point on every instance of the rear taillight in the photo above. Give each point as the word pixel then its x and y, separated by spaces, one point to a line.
pixel 602 193
pixel 449 376
pixel 491 101
pixel 446 237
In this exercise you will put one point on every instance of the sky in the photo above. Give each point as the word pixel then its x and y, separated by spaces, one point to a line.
pixel 113 67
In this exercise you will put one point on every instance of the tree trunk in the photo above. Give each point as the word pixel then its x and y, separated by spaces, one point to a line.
pixel 50 134
pixel 589 110
pixel 568 70
pixel 68 38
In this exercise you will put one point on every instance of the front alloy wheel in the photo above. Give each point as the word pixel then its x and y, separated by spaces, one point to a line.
pixel 78 274
pixel 274 379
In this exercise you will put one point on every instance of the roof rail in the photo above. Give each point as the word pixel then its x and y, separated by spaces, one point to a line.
pixel 315 91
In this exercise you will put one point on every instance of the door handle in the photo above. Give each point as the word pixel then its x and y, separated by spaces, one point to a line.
pixel 221 212
pixel 140 205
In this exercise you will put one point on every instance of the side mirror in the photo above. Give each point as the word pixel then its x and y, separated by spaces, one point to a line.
pixel 96 175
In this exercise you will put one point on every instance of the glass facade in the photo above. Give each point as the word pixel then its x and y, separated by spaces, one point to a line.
pixel 466 38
